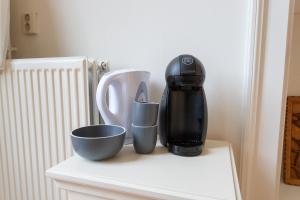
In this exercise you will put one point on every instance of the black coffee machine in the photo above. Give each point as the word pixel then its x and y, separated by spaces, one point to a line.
pixel 183 109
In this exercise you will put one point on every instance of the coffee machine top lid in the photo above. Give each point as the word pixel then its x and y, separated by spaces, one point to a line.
pixel 185 65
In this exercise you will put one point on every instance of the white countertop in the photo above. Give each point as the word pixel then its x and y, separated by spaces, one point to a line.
pixel 212 175
pixel 289 192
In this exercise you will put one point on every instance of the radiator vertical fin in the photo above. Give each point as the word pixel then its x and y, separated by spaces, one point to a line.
pixel 41 101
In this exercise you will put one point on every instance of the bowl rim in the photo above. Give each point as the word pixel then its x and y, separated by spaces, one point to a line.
pixel 92 138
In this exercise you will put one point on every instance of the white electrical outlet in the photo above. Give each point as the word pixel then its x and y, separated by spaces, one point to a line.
pixel 30 23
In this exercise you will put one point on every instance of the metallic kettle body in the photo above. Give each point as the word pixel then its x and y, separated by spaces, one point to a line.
pixel 183 108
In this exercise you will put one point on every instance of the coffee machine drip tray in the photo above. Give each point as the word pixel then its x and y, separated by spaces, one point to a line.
pixel 186 149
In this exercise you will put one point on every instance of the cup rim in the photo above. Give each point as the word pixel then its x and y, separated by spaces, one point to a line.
pixel 133 125
pixel 75 136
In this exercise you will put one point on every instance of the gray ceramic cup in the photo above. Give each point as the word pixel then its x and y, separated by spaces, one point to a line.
pixel 144 113
pixel 144 138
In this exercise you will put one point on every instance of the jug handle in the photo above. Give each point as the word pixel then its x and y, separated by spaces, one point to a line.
pixel 101 98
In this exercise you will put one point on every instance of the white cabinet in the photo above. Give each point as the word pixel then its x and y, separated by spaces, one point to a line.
pixel 161 175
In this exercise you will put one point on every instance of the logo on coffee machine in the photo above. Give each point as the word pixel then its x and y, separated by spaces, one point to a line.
pixel 187 60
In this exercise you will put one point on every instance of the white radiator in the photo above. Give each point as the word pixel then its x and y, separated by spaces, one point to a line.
pixel 41 101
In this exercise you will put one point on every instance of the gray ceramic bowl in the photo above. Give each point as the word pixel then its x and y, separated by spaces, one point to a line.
pixel 98 142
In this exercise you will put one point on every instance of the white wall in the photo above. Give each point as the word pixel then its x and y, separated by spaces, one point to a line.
pixel 147 34
pixel 294 71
